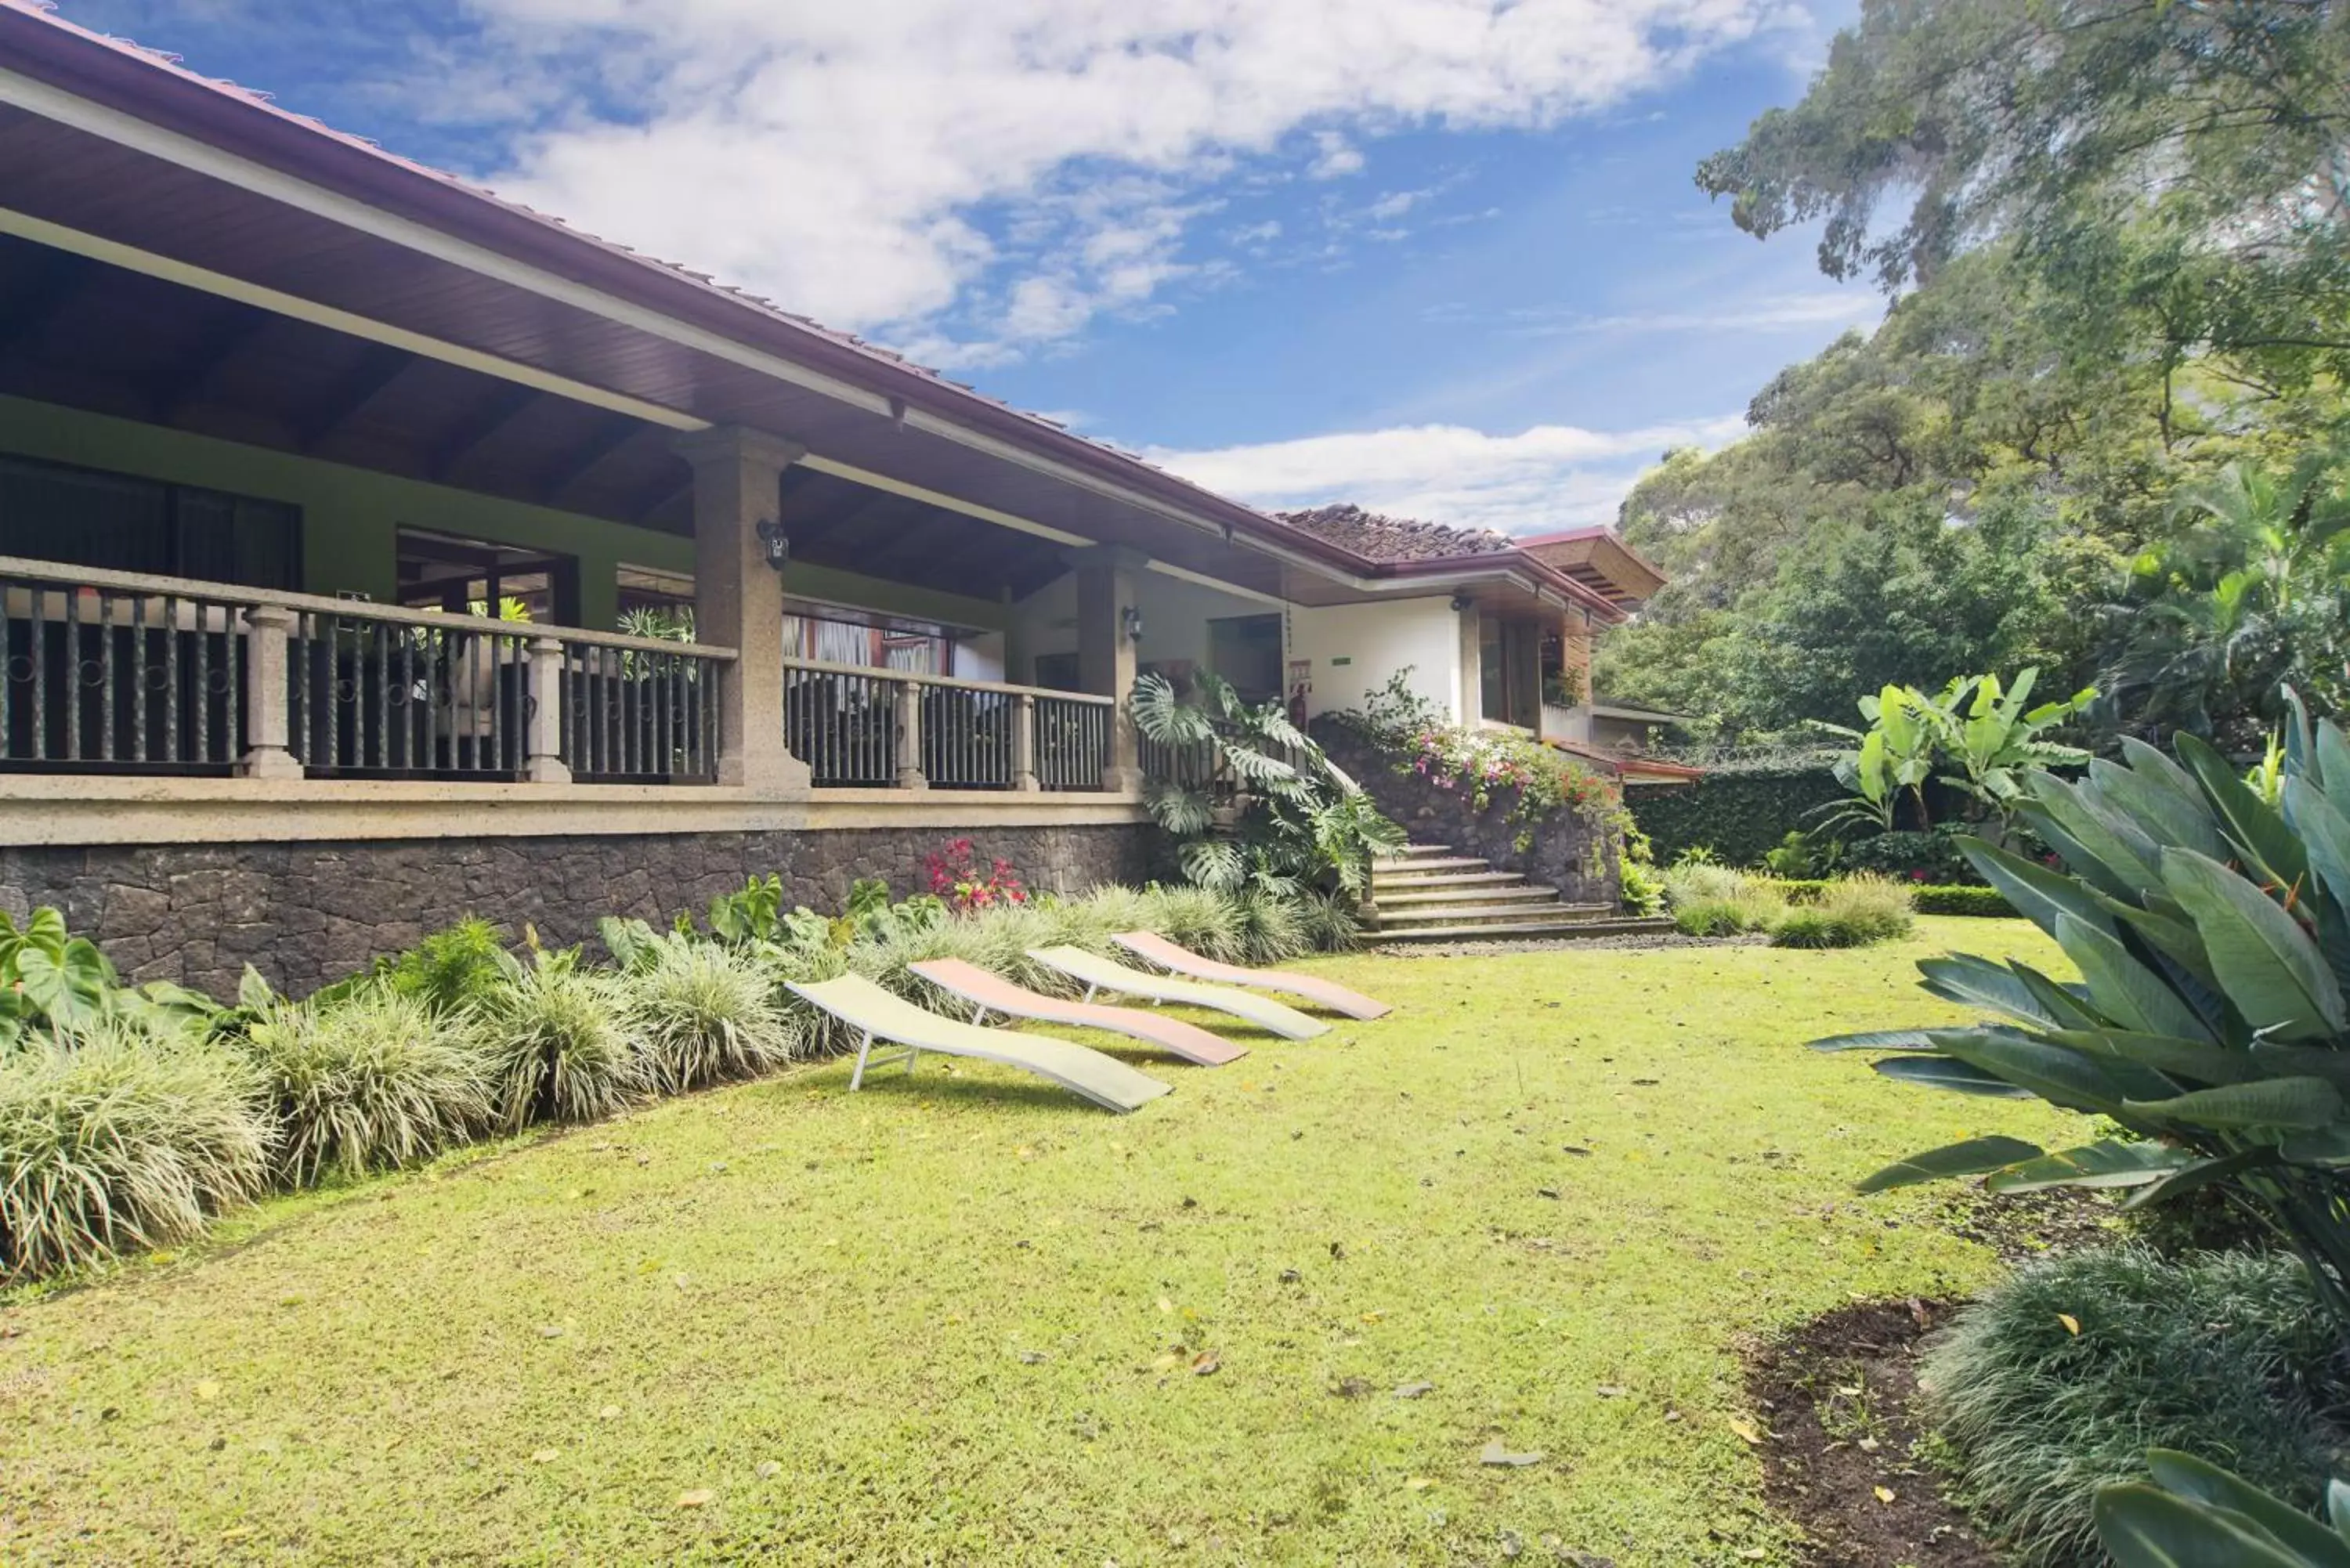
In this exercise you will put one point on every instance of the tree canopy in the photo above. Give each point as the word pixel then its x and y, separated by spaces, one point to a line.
pixel 2123 275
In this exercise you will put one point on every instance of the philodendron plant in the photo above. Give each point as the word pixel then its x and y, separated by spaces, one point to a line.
pixel 2195 1512
pixel 2212 932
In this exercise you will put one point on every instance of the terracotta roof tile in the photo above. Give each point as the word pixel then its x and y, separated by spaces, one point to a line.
pixel 1384 538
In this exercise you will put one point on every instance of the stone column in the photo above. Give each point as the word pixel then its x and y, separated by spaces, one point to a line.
pixel 545 729
pixel 270 630
pixel 908 708
pixel 1024 745
pixel 738 599
pixel 1105 654
pixel 1472 663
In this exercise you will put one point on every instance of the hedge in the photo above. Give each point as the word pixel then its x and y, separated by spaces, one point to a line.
pixel 1930 899
pixel 1738 810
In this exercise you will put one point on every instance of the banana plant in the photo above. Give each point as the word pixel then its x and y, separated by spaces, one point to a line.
pixel 2212 933
pixel 2194 1513
pixel 1995 740
pixel 1894 756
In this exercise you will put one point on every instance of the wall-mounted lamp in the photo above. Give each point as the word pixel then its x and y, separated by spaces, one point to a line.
pixel 1130 620
pixel 1461 602
pixel 774 544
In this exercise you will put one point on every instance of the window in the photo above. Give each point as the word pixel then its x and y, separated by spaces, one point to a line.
pixel 444 572
pixel 1246 651
pixel 119 522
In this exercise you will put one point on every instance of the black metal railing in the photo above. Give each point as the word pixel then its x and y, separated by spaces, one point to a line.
pixel 378 699
pixel 638 715
pixel 111 671
pixel 878 729
pixel 106 679
pixel 1073 736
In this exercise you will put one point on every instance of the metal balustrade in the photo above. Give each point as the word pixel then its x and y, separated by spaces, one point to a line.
pixel 877 729
pixel 115 671
pixel 645 714
pixel 379 698
pixel 109 678
pixel 1073 741
pixel 105 671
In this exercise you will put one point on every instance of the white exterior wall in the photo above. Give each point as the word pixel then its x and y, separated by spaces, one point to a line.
pixel 1378 639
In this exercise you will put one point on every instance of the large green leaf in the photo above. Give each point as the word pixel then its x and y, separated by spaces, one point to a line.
pixel 1972 1158
pixel 2197 1060
pixel 2104 1164
pixel 2200 1174
pixel 2260 958
pixel 2251 824
pixel 2163 817
pixel 2324 833
pixel 1959 1077
pixel 2154 766
pixel 1878 1040
pixel 2198 1480
pixel 2123 989
pixel 2333 764
pixel 2066 1004
pixel 1979 982
pixel 2145 1527
pixel 2273 1103
pixel 2038 894
pixel 2127 858
pixel 2060 1076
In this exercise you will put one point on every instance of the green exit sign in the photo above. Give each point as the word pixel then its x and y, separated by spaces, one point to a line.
pixel 1336 662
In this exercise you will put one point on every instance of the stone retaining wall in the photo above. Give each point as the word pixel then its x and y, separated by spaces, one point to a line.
pixel 307 913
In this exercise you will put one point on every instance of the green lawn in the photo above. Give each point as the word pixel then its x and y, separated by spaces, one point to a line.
pixel 955 1318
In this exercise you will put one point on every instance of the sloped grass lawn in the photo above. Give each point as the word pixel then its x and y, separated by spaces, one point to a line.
pixel 940 1320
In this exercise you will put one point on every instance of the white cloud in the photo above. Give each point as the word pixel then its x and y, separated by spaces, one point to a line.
pixel 912 166
pixel 1333 156
pixel 1550 476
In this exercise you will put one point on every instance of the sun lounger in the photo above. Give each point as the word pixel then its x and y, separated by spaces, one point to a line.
pixel 1321 992
pixel 879 1014
pixel 1099 974
pixel 991 992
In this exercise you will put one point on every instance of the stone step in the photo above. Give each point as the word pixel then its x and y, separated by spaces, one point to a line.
pixel 1489 914
pixel 1451 871
pixel 1415 852
pixel 1552 930
pixel 1478 893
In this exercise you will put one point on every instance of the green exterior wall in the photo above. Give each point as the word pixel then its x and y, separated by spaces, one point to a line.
pixel 351 515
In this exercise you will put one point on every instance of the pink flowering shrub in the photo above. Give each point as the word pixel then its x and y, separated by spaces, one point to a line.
pixel 956 876
pixel 1480 763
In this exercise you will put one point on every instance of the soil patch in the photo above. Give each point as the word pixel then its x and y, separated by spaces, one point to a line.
pixel 1840 1456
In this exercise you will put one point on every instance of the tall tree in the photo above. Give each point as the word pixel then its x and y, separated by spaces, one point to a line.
pixel 2187 160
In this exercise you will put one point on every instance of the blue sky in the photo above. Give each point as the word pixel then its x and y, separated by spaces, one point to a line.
pixel 1440 257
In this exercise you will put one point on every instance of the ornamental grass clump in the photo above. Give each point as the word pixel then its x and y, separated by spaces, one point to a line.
pixel 2060 1380
pixel 116 1140
pixel 702 1014
pixel 372 1080
pixel 1272 927
pixel 1850 912
pixel 1709 900
pixel 1209 921
pixel 554 1044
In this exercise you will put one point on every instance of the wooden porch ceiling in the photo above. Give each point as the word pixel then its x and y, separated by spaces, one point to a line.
pixel 56 172
pixel 100 338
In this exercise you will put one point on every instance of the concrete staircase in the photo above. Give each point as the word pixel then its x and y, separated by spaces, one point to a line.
pixel 1427 894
